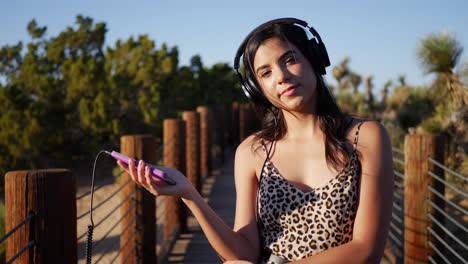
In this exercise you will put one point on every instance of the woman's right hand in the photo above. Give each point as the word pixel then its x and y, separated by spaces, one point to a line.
pixel 142 175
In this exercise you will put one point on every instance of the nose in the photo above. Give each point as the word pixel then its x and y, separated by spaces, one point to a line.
pixel 283 75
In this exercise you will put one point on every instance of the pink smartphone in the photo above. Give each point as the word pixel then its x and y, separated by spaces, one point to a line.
pixel 157 173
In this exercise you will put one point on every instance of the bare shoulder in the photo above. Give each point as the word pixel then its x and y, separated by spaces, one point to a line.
pixel 375 150
pixel 249 155
pixel 372 134
pixel 249 148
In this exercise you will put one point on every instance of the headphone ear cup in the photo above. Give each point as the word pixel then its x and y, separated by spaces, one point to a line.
pixel 249 87
pixel 324 55
pixel 319 56
pixel 315 55
pixel 255 92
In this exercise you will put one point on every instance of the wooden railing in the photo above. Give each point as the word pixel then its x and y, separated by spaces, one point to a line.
pixel 427 226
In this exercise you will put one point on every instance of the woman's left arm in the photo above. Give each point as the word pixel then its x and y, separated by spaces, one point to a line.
pixel 375 202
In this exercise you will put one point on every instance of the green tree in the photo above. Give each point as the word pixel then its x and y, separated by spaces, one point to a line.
pixel 213 85
pixel 222 84
pixel 32 113
pixel 139 75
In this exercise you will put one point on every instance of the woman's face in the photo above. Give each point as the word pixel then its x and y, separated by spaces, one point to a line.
pixel 285 75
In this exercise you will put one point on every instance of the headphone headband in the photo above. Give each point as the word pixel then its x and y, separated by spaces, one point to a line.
pixel 286 20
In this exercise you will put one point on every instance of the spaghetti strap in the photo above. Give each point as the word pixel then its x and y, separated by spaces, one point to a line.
pixel 264 146
pixel 262 142
pixel 357 136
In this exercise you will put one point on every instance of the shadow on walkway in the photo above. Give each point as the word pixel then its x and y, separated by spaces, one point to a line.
pixel 193 247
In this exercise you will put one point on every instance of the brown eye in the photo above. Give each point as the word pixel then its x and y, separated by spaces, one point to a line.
pixel 291 60
pixel 265 74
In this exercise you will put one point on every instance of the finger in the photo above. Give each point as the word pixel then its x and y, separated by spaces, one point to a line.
pixel 122 165
pixel 141 171
pixel 132 170
pixel 144 181
pixel 147 180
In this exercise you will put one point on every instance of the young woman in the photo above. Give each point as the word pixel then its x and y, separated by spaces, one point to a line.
pixel 314 185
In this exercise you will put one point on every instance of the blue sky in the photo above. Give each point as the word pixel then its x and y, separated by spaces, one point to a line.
pixel 380 36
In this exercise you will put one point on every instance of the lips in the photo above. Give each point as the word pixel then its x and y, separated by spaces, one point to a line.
pixel 289 91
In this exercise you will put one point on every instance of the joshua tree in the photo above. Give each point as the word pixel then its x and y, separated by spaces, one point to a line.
pixel 401 80
pixel 355 80
pixel 369 87
pixel 370 96
pixel 439 53
pixel 385 92
pixel 340 72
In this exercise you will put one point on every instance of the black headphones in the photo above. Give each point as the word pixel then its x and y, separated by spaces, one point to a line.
pixel 316 47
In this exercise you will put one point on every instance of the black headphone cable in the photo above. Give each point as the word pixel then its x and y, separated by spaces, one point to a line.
pixel 89 241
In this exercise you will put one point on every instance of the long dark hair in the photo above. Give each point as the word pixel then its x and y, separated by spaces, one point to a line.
pixel 332 121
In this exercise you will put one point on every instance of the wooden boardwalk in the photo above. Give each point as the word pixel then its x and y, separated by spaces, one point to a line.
pixel 193 247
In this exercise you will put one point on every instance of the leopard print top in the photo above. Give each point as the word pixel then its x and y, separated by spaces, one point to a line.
pixel 295 224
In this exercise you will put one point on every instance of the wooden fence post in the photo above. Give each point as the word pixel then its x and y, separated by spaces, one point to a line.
pixel 192 144
pixel 248 122
pixel 222 121
pixel 51 195
pixel 138 239
pixel 235 122
pixel 205 140
pixel 174 157
pixel 417 150
pixel 219 120
pixel 242 122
